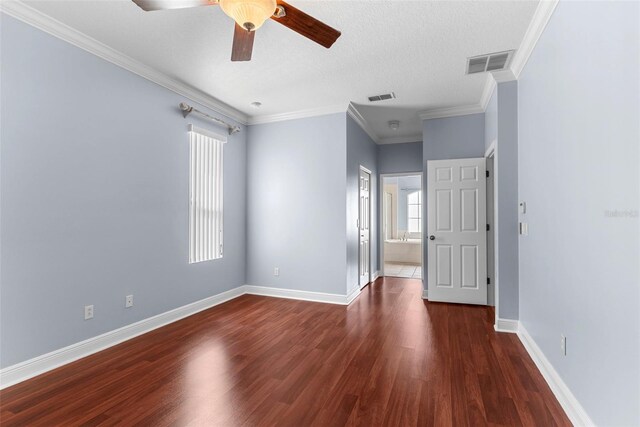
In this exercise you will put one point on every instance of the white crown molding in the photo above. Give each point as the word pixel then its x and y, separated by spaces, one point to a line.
pixel 439 113
pixel 567 400
pixel 302 114
pixel 401 139
pixel 39 20
pixel 536 27
pixel 489 87
pixel 503 76
pixel 38 365
pixel 357 117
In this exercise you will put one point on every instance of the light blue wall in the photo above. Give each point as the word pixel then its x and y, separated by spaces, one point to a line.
pixel 491 120
pixel 399 158
pixel 361 151
pixel 296 204
pixel 579 136
pixel 449 138
pixel 94 181
pixel 506 177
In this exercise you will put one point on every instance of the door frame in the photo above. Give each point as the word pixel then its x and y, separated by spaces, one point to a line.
pixel 381 216
pixel 363 169
pixel 492 152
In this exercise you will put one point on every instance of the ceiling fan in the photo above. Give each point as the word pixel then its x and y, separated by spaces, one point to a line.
pixel 250 15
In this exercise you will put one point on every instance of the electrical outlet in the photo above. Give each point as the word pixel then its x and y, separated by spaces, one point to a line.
pixel 563 345
pixel 276 271
pixel 128 301
pixel 88 312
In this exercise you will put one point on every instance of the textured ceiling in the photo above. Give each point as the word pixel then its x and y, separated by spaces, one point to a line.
pixel 416 49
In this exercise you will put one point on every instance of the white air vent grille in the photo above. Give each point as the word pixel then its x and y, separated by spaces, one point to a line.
pixel 490 62
pixel 382 97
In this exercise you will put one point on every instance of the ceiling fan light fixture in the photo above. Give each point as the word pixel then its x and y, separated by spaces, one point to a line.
pixel 249 14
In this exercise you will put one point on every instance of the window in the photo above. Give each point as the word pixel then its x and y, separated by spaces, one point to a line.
pixel 414 210
pixel 205 195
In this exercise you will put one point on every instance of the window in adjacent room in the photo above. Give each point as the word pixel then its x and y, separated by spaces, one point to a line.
pixel 205 195
pixel 414 209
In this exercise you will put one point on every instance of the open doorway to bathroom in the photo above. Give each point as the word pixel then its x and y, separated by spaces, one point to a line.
pixel 401 252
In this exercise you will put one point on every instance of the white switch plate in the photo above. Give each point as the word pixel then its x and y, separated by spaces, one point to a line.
pixel 276 271
pixel 128 301
pixel 563 345
pixel 88 312
pixel 524 229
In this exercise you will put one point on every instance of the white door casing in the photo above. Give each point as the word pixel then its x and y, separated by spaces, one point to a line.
pixel 456 231
pixel 364 218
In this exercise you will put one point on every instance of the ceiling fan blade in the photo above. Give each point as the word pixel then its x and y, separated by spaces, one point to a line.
pixel 149 5
pixel 242 44
pixel 306 25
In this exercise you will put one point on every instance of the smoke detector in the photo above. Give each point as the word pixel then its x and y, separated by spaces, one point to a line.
pixel 490 62
pixel 394 124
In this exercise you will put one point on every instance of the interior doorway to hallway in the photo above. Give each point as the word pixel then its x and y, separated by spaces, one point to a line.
pixel 401 251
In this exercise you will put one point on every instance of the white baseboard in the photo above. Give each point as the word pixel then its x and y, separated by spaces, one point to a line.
pixel 425 294
pixel 506 325
pixel 353 295
pixel 567 400
pixel 375 276
pixel 38 365
pixel 299 295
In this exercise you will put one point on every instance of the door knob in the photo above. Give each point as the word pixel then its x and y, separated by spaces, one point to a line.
pixel 432 237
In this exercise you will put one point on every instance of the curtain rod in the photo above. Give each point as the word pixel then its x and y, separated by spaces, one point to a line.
pixel 187 109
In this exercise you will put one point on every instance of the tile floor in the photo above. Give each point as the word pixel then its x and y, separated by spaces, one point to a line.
pixel 395 269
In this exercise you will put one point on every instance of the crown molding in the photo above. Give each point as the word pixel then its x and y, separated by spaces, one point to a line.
pixel 301 114
pixel 439 113
pixel 357 117
pixel 39 20
pixel 536 27
pixel 489 88
pixel 400 139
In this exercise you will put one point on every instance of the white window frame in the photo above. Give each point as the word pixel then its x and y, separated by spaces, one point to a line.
pixel 206 219
pixel 419 217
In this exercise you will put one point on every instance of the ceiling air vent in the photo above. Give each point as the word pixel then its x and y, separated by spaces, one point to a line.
pixel 382 97
pixel 490 62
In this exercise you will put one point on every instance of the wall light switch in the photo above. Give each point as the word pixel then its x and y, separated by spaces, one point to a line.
pixel 523 207
pixel 276 271
pixel 524 229
pixel 563 345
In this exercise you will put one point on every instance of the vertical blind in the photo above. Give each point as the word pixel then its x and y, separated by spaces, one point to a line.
pixel 205 195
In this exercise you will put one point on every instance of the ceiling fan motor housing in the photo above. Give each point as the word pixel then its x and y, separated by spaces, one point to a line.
pixel 249 14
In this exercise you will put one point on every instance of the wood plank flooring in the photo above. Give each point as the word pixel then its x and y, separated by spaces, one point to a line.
pixel 389 359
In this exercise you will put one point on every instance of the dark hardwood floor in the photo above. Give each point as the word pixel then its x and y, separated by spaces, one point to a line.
pixel 389 359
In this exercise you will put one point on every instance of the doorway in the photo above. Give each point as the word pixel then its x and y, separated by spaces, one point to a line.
pixel 364 227
pixel 401 251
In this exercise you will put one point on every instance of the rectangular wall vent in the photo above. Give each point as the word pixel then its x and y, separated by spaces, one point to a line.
pixel 489 62
pixel 382 97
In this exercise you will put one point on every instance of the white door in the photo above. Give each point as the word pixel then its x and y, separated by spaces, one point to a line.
pixel 364 217
pixel 456 230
